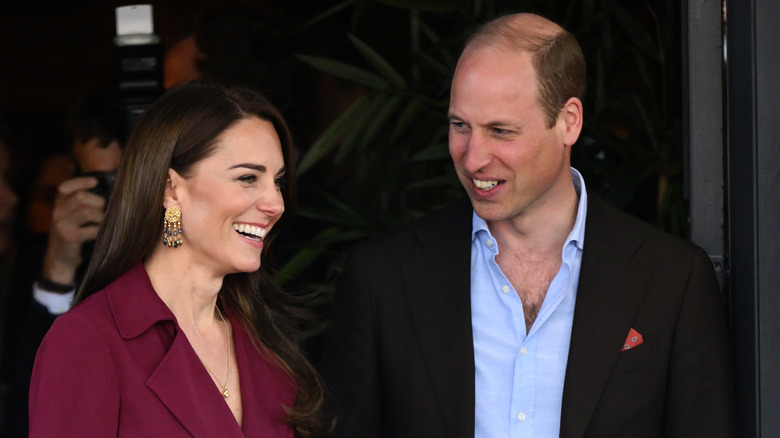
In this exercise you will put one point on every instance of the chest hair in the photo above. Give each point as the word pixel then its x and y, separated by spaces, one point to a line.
pixel 530 274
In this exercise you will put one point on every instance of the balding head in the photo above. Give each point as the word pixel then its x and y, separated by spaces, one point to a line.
pixel 557 58
pixel 517 32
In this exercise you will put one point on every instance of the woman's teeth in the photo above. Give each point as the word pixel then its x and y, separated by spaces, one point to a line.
pixel 250 230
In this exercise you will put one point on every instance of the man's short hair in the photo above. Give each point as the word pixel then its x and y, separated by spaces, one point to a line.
pixel 98 114
pixel 556 56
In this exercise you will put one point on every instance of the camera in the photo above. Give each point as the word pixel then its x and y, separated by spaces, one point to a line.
pixel 137 60
pixel 105 184
pixel 104 187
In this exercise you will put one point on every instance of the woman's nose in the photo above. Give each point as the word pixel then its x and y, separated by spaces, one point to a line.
pixel 271 203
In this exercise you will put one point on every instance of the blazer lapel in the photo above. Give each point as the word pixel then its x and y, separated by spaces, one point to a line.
pixel 611 289
pixel 264 408
pixel 183 385
pixel 437 290
pixel 180 381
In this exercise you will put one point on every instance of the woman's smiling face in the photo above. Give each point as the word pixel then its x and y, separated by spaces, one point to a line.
pixel 233 198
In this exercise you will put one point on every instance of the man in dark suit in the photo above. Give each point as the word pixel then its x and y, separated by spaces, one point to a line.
pixel 535 310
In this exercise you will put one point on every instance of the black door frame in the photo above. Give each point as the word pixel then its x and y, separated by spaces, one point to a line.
pixel 732 139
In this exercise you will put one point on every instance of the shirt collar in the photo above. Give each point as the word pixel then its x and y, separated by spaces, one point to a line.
pixel 577 233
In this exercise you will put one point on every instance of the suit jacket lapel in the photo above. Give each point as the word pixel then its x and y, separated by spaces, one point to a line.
pixel 437 290
pixel 610 290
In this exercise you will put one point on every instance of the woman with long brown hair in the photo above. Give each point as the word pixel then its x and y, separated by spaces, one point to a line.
pixel 175 330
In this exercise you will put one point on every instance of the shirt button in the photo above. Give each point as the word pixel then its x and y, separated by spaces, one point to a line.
pixel 521 416
pixel 489 242
pixel 523 351
pixel 505 289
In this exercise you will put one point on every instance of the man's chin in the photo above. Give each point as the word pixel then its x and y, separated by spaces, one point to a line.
pixel 489 211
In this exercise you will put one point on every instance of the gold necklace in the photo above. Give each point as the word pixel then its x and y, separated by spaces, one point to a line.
pixel 225 392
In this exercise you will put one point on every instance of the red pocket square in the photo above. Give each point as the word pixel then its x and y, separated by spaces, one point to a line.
pixel 633 339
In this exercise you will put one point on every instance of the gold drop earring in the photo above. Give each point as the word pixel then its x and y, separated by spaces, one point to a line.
pixel 172 230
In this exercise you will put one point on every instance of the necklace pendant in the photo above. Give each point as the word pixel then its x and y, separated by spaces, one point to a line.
pixel 225 392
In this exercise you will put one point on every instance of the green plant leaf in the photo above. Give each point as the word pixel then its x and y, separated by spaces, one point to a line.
pixel 357 128
pixel 345 71
pixel 436 151
pixel 331 136
pixel 379 63
pixel 447 52
pixel 305 257
pixel 339 212
pixel 432 63
pixel 440 181
pixel 406 117
pixel 386 110
pixel 330 12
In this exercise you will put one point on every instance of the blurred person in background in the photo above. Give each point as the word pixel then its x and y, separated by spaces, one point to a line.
pixel 50 265
pixel 8 198
pixel 8 201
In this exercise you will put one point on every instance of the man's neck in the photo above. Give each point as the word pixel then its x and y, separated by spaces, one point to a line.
pixel 542 231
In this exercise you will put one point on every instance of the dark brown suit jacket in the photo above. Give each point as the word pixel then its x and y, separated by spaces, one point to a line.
pixel 399 360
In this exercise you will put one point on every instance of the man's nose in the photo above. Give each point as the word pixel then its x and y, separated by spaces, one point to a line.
pixel 477 154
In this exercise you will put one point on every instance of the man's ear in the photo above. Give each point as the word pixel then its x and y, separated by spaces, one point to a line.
pixel 572 117
pixel 173 187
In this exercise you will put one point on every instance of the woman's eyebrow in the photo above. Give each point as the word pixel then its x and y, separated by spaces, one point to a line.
pixel 257 167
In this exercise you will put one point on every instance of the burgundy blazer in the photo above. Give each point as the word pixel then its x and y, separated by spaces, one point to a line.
pixel 119 365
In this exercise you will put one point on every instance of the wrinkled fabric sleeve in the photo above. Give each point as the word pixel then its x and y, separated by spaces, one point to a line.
pixel 700 397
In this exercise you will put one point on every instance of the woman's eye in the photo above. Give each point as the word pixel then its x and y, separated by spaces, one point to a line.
pixel 279 182
pixel 248 178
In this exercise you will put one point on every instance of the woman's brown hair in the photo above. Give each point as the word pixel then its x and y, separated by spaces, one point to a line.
pixel 180 129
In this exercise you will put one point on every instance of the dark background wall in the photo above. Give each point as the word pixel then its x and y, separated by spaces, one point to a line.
pixel 52 50
pixel 753 210
pixel 50 53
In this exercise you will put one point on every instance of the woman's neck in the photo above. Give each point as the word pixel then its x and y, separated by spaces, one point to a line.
pixel 189 291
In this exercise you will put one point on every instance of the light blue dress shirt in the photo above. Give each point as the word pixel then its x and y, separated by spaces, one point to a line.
pixel 519 377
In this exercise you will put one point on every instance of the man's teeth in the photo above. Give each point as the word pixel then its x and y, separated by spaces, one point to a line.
pixel 484 185
pixel 250 230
